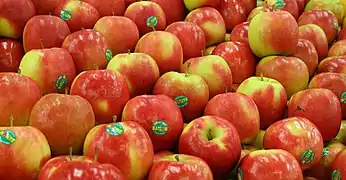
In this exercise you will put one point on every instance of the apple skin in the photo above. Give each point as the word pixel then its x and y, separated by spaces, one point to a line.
pixel 129 2
pixel 190 35
pixel 337 49
pixel 239 58
pixel 127 33
pixel 11 53
pixel 77 14
pixel 139 70
pixel 266 34
pixel 291 72
pixel 332 5
pixel 45 7
pixel 139 12
pixel 178 14
pixel 341 137
pixel 178 166
pixel 269 95
pixel 307 102
pixel 256 11
pixel 212 24
pixel 219 140
pixel 105 90
pixel 47 67
pixel 290 6
pixel 194 4
pixel 164 47
pixel 149 110
pixel 306 52
pixel 249 5
pixel 13 16
pixel 240 32
pixel 233 13
pixel 338 166
pixel 44 31
pixel 336 64
pixel 214 70
pixel 301 6
pixel 161 154
pixel 134 160
pixel 108 7
pixel 271 164
pixel 240 110
pixel 342 34
pixel 258 142
pixel 18 95
pixel 19 164
pixel 209 50
pixel 88 49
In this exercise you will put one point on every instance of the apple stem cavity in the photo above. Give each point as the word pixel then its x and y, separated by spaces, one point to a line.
pixel 187 69
pixel 299 108
pixel 177 157
pixel 66 90
pixel 209 135
pixel 96 156
pixel 11 120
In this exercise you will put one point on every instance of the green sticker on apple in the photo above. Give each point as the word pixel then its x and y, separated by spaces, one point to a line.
pixel 336 24
pixel 307 157
pixel 109 54
pixel 279 4
pixel 325 152
pixel 240 174
pixel 61 82
pixel 152 21
pixel 115 129
pixel 181 101
pixel 336 175
pixel 160 128
pixel 7 137
pixel 343 98
pixel 65 14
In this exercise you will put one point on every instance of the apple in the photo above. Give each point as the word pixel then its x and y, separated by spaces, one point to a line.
pixel 209 50
pixel 275 164
pixel 290 6
pixel 213 139
pixel 291 72
pixel 129 2
pixel 139 70
pixel 301 6
pixel 65 120
pixel 53 69
pixel 258 142
pixel 161 154
pixel 164 47
pixel 191 37
pixel 341 137
pixel 256 11
pixel 11 53
pixel 273 33
pixel 239 58
pixel 105 90
pixel 249 5
pixel 189 167
pixel 269 95
pixel 127 33
pixel 108 7
pixel 334 6
pixel 240 33
pixel 240 110
pixel 125 145
pixel 335 64
pixel 309 178
pixel 338 166
pixel 306 52
pixel 14 14
pixel 148 16
pixel 307 103
pixel 213 69
pixel 178 12
pixel 342 34
pixel 317 37
pixel 18 95
pixel 337 49
pixel 88 49
pixel 45 7
pixel 233 13
pixel 211 22
pixel 194 4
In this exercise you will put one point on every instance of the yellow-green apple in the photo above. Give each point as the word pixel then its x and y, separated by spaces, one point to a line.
pixel 148 16
pixel 249 5
pixel 290 6
pixel 11 53
pixel 269 95
pixel 258 142
pixel 209 50
pixel 306 52
pixel 125 145
pixel 337 49
pixel 211 22
pixel 239 58
pixel 240 33
pixel 18 95
pixel 53 69
pixel 218 139
pixel 44 31
pixel 194 4
pixel 161 154
pixel 108 7
pixel 179 166
pixel 327 118
pixel 139 70
pixel 317 37
pixel 334 6
pixel 190 35
pixel 342 34
pixel 233 13
pixel 159 116
pixel 338 166
pixel 341 137
pixel 298 136
pixel 13 16
pixel 105 90
pixel 256 11
pixel 309 178
pixel 77 14
pixel 45 7
pixel 174 10
pixel 24 151
pixel 127 33
pixel 213 69
pixel 240 110
pixel 336 64
pixel 324 19
pixel 88 49
pixel 273 33
pixel 275 164
pixel 291 72
pixel 164 47
pixel 65 120
pixel 189 91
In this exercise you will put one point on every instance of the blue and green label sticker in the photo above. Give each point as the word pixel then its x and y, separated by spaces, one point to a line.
pixel 61 82
pixel 65 14
pixel 336 24
pixel 325 152
pixel 160 128
pixel 336 175
pixel 115 129
pixel 181 101
pixel 307 156
pixel 109 54
pixel 152 21
pixel 240 174
pixel 279 4
pixel 343 98
pixel 7 137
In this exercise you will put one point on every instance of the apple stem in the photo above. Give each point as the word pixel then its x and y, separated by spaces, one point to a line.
pixel 96 156
pixel 70 153
pixel 96 67
pixel 41 42
pixel 202 52
pixel 115 118
pixel 177 157
pixel 187 69
pixel 209 135
pixel 66 90
pixel 299 108
pixel 113 13
pixel 226 89
pixel 129 51
pixel 261 75
pixel 11 120
pixel 19 71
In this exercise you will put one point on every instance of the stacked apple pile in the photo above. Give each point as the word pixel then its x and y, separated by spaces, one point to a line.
pixel 172 89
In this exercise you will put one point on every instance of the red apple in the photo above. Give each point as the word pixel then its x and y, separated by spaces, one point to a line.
pixel 337 49
pixel 342 34
pixel 11 53
pixel 174 10
pixel 249 5
pixel 341 137
pixel 209 50
pixel 290 6
pixel 233 12
pixel 194 4
pixel 301 5
pixel 338 166
pixel 161 154
pixel 108 7
pixel 125 145
pixel 335 6
pixel 306 52
pixel 240 32
pixel 129 2
pixel 256 11
pixel 45 6
pixel 335 64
